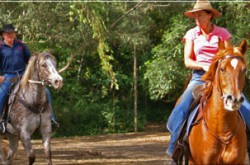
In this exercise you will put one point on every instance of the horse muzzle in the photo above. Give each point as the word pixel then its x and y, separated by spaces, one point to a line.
pixel 232 103
pixel 56 82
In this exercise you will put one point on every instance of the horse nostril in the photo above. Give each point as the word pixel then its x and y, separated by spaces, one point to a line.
pixel 241 99
pixel 229 97
pixel 58 83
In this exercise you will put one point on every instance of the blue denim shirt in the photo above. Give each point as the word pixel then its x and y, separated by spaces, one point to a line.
pixel 13 59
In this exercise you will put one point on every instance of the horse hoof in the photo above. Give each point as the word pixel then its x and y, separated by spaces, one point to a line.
pixel 173 162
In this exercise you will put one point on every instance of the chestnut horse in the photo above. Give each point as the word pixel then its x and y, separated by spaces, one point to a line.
pixel 219 135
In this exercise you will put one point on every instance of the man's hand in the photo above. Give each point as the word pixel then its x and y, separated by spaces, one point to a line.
pixel 2 78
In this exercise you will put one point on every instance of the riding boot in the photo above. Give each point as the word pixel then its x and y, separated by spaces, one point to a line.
pixel 174 162
pixel 54 124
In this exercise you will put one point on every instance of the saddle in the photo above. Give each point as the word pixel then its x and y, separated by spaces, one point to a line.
pixel 182 147
pixel 10 98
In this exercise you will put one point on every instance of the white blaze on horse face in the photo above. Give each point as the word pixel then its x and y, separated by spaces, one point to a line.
pixel 54 78
pixel 234 63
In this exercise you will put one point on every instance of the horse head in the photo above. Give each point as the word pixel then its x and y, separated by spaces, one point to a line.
pixel 48 73
pixel 227 75
pixel 45 65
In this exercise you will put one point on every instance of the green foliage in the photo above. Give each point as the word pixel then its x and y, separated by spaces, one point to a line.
pixel 97 96
pixel 165 71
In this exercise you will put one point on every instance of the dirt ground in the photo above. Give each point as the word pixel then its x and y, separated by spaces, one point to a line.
pixel 147 148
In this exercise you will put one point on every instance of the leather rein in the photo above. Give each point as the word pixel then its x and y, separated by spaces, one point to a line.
pixel 228 140
pixel 35 108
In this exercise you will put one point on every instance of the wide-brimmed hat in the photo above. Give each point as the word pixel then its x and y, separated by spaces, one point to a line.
pixel 202 5
pixel 8 28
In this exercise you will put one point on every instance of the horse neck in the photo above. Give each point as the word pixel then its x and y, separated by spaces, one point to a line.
pixel 218 118
pixel 35 93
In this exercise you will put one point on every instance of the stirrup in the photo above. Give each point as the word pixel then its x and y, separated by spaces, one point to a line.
pixel 2 128
pixel 54 124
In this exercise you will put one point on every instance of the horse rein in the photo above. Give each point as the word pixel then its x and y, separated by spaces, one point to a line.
pixel 228 140
pixel 34 109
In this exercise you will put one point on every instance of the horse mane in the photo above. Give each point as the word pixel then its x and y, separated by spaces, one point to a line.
pixel 29 71
pixel 209 76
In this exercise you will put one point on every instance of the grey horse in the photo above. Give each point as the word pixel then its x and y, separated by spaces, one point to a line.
pixel 29 109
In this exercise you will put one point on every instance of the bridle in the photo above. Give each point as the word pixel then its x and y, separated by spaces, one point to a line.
pixel 42 108
pixel 40 82
pixel 225 141
pixel 218 67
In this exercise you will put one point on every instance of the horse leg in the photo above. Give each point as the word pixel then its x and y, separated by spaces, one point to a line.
pixel 26 141
pixel 248 144
pixel 2 153
pixel 47 150
pixel 13 146
pixel 45 130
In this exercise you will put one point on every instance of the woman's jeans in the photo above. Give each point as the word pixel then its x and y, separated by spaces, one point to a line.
pixel 5 89
pixel 180 111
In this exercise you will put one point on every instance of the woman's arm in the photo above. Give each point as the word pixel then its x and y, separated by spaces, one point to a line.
pixel 227 43
pixel 189 62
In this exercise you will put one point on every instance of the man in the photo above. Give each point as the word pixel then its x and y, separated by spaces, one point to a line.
pixel 14 55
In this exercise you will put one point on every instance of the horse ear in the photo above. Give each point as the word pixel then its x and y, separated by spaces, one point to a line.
pixel 243 46
pixel 221 44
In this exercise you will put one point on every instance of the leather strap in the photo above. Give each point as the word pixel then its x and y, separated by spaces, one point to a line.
pixel 34 109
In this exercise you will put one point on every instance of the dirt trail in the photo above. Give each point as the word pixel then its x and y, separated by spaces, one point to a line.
pixel 122 149
pixel 146 148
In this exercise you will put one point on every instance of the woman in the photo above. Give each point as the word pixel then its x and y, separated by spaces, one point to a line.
pixel 201 44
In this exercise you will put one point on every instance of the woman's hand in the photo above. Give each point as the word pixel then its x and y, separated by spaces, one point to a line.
pixel 205 67
pixel 2 78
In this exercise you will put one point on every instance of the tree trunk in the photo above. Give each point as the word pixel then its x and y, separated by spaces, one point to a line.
pixel 135 92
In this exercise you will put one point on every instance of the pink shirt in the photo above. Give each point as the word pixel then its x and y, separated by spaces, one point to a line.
pixel 205 49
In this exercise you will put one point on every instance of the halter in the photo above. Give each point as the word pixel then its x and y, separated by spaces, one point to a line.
pixel 41 82
pixel 226 141
pixel 218 67
pixel 35 109
pixel 37 82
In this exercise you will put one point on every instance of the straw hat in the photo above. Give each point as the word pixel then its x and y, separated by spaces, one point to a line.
pixel 202 5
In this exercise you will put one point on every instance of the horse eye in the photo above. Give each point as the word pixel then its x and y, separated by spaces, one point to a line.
pixel 222 69
pixel 44 65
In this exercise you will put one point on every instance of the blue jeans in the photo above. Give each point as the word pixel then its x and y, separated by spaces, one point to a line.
pixel 180 111
pixel 245 111
pixel 5 89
